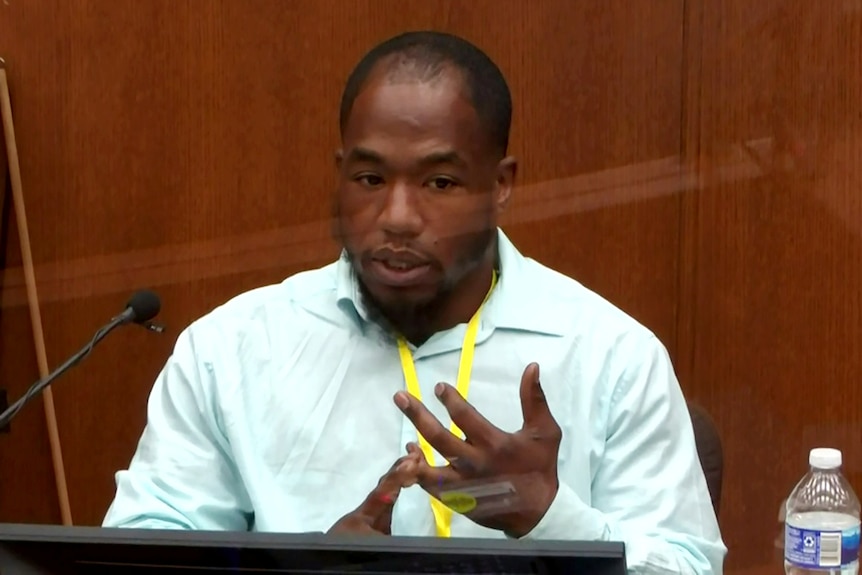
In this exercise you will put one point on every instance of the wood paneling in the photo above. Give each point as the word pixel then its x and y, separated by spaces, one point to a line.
pixel 27 488
pixel 696 162
pixel 610 97
pixel 188 145
pixel 775 308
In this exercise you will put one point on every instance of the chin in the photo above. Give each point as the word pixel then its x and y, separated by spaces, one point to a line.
pixel 392 299
pixel 400 306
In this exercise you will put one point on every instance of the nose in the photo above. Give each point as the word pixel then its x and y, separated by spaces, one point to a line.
pixel 400 215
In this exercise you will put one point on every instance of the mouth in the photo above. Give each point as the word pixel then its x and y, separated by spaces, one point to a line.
pixel 400 272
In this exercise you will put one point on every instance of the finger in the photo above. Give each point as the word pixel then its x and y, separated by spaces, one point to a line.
pixel 435 479
pixel 447 444
pixel 382 498
pixel 534 405
pixel 428 476
pixel 463 466
pixel 410 472
pixel 474 425
pixel 414 450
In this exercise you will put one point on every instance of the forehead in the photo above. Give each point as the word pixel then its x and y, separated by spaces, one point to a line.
pixel 398 118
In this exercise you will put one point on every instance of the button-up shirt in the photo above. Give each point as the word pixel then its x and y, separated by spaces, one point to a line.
pixel 275 413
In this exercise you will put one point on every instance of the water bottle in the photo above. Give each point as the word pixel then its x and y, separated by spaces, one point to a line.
pixel 821 529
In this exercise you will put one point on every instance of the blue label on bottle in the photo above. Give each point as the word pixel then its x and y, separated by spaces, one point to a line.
pixel 850 545
pixel 816 548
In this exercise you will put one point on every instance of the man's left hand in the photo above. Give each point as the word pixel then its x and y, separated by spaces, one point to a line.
pixel 520 468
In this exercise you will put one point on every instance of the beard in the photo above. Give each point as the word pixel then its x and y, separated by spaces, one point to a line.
pixel 399 316
pixel 417 317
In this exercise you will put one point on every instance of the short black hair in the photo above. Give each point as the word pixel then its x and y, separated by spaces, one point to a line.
pixel 425 55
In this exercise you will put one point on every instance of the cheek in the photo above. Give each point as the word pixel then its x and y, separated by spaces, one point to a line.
pixel 358 221
pixel 356 211
pixel 456 223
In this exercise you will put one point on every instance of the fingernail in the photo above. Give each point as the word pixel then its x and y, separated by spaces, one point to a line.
pixel 439 389
pixel 401 400
pixel 386 498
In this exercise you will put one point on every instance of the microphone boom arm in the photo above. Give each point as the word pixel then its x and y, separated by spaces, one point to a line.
pixel 146 304
pixel 37 387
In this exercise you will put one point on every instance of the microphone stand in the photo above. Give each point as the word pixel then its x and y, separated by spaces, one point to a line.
pixel 10 413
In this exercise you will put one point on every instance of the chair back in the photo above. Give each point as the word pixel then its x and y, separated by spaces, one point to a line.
pixel 709 451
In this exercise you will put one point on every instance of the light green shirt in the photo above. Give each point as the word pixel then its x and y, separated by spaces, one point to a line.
pixel 275 413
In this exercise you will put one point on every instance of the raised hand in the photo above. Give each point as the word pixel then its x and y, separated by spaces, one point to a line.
pixel 500 480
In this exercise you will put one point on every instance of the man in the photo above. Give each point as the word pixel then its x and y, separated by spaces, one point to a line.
pixel 315 404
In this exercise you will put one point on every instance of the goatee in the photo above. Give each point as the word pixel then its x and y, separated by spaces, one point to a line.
pixel 398 318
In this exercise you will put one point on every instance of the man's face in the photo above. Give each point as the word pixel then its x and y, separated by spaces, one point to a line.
pixel 419 193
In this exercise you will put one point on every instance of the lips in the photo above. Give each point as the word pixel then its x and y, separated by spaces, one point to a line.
pixel 399 265
pixel 400 268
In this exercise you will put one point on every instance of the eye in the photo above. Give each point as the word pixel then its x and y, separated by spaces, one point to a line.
pixel 442 183
pixel 369 180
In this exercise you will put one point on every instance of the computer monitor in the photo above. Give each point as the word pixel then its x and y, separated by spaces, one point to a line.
pixel 50 550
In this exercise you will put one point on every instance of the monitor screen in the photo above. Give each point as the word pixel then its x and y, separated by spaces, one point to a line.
pixel 92 550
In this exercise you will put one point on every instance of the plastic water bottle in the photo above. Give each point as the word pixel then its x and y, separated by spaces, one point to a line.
pixel 821 529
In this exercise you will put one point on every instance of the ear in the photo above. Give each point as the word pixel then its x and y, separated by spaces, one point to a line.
pixel 507 169
pixel 339 158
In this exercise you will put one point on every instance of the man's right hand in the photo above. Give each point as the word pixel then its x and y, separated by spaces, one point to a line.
pixel 374 515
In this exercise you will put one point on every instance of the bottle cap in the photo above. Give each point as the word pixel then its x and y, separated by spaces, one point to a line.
pixel 824 458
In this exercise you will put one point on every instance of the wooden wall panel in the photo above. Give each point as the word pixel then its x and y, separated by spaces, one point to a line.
pixel 602 127
pixel 187 145
pixel 27 488
pixel 776 310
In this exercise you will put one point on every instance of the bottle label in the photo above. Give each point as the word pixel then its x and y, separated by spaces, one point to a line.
pixel 816 548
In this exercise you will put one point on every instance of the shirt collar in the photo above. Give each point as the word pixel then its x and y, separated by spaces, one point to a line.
pixel 520 301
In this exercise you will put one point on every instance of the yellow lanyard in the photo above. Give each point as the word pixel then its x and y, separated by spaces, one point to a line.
pixel 442 514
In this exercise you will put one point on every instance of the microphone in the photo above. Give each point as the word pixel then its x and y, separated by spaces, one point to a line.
pixel 143 306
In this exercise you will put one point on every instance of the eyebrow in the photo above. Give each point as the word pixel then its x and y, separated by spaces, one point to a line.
pixel 448 157
pixel 364 155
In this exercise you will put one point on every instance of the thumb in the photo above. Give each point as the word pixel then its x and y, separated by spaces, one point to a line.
pixel 534 405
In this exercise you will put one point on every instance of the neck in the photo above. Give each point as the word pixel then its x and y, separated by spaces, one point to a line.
pixel 458 306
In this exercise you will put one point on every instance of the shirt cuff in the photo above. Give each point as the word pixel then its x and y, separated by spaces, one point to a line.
pixel 570 519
